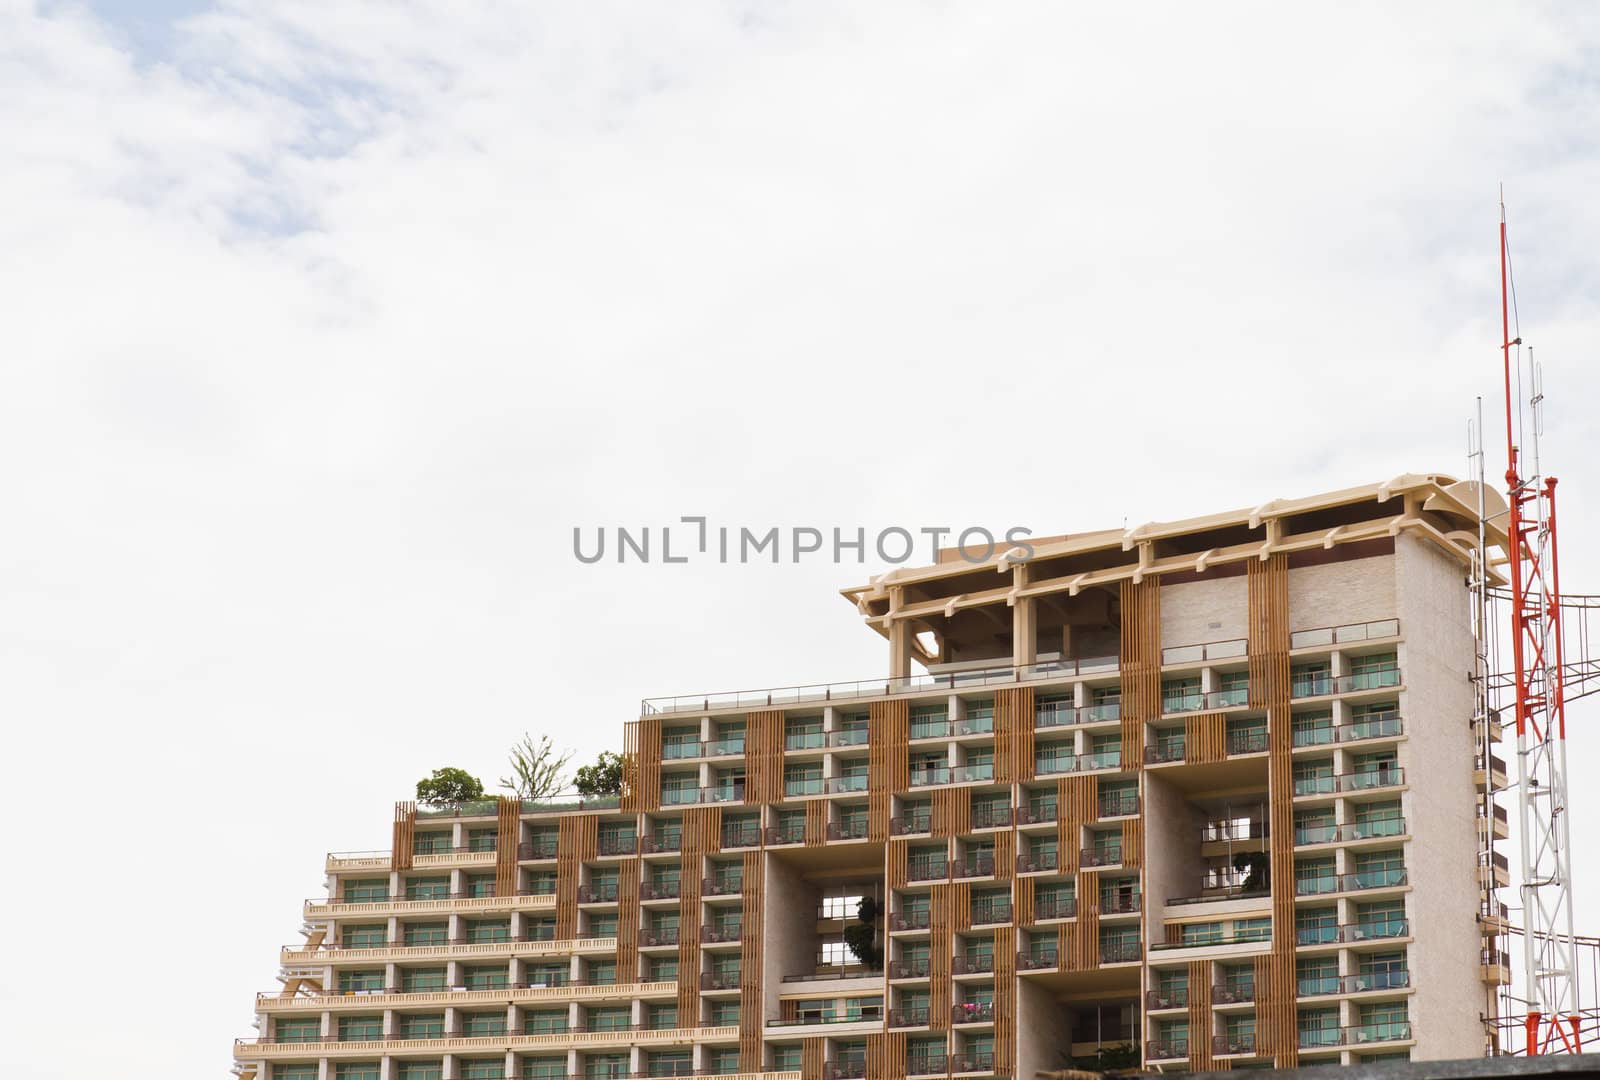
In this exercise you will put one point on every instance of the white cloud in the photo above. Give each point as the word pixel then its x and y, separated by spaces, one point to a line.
pixel 324 328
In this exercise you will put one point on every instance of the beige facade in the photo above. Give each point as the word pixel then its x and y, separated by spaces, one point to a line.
pixel 1177 789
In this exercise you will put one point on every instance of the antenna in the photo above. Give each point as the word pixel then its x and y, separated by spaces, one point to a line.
pixel 1549 950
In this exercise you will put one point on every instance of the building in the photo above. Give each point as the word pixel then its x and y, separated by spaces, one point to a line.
pixel 1210 789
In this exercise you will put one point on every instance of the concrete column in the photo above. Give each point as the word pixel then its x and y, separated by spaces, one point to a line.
pixel 1024 622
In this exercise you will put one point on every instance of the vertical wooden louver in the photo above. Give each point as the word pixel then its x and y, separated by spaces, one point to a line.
pixel 1199 1014
pixel 1133 843
pixel 641 765
pixel 577 838
pixel 405 833
pixel 941 946
pixel 813 1056
pixel 1005 1000
pixel 1140 665
pixel 816 823
pixel 1205 738
pixel 1268 583
pixel 1013 734
pixel 763 756
pixel 1077 805
pixel 507 834
pixel 702 835
pixel 878 800
pixel 751 1018
pixel 628 918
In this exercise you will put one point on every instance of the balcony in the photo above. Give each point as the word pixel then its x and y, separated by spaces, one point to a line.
pixel 906 1018
pixel 991 817
pixel 934 1063
pixel 1114 951
pixel 778 835
pixel 911 825
pixel 666 935
pixel 1101 856
pixel 1123 805
pixel 537 849
pixel 601 893
pixel 1311 684
pixel 1240 1042
pixel 1357 1035
pixel 1211 650
pixel 1039 813
pixel 972 1063
pixel 854 736
pixel 829 1016
pixel 1176 997
pixel 1385 727
pixel 980 724
pixel 617 844
pixel 909 969
pixel 1043 959
pixel 719 980
pixel 741 836
pixel 1042 861
pixel 1166 1049
pixel 972 963
pixel 1055 764
pixel 661 843
pixel 795 787
pixel 729 885
pixel 848 1069
pixel 997 912
pixel 1119 903
pixel 1233 697
pixel 661 889
pixel 848 829
pixel 721 935
pixel 732 746
pixel 1365 780
pixel 1052 714
pixel 930 728
pixel 1350 832
pixel 805 740
pixel 1239 993
pixel 840 785
pixel 970 774
pixel 1376 679
pixel 679 751
pixel 1342 635
pixel 1253 741
pixel 1165 753
pixel 930 776
pixel 1101 759
pixel 978 865
pixel 915 919
pixel 972 1012
pixel 1331 934
pixel 927 870
pixel 1357 882
pixel 1064 907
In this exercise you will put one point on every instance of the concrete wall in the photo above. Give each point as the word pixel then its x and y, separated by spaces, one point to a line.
pixel 1195 612
pixel 1436 705
pixel 1044 1030
pixel 1173 863
pixel 1333 594
pixel 789 929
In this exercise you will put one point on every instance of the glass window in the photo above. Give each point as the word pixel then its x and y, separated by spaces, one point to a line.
pixel 360 1028
pixel 662 1017
pixel 722 1013
pixel 544 1022
pixel 484 931
pixel 544 1067
pixel 428 888
pixel 483 1069
pixel 297 1031
pixel 430 843
pixel 1316 926
pixel 365 891
pixel 483 1023
pixel 419 1070
pixel 486 977
pixel 422 980
pixel 422 1026
pixel 356 1070
pixel 295 1072
pixel 361 982
pixel 364 937
pixel 429 933
pixel 482 839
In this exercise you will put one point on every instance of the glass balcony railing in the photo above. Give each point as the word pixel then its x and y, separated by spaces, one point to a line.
pixel 978 724
pixel 1374 679
pixel 929 776
pixel 676 751
pixel 852 736
pixel 840 784
pixel 931 728
pixel 803 785
pixel 1340 635
pixel 1054 764
pixel 969 773
pixel 804 740
pixel 1051 714
pixel 726 747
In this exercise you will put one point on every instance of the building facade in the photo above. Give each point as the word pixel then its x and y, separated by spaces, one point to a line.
pixel 1211 792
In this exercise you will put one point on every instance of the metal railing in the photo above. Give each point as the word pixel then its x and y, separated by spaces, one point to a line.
pixel 1124 805
pixel 786 834
pixel 1340 635
pixel 972 1012
pixel 981 865
pixel 1233 994
pixel 847 1069
pixel 1364 780
pixel 932 1063
pixel 719 980
pixel 903 1018
pixel 916 919
pixel 909 969
pixel 1107 856
pixel 927 869
pixel 1359 881
pixel 856 829
pixel 1041 959
pixel 664 889
pixel 744 700
pixel 1120 952
pixel 1209 650
pixel 1239 1042
pixel 972 1062
pixel 1065 907
pixel 1165 753
pixel 721 935
pixel 1174 997
pixel 910 826
pixel 1355 1035
pixel 731 885
pixel 1037 813
pixel 1061 714
pixel 1253 741
pixel 737 836
pixel 991 817
pixel 661 843
pixel 1166 1049
pixel 1119 903
pixel 972 963
pixel 649 938
pixel 617 844
pixel 998 911
pixel 1038 861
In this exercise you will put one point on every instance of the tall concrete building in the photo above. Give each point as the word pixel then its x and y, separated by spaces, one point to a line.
pixel 1211 791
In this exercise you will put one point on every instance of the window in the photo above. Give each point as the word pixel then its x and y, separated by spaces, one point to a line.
pixel 802 732
pixel 1207 933
pixel 1378 819
pixel 1384 919
pixel 1252 929
pixel 486 977
pixel 840 907
pixel 916 814
pixel 542 882
pixel 544 839
pixel 430 843
pixel 680 743
pixel 1181 695
pixel 1376 869
pixel 1054 757
pixel 356 1070
pixel 483 1023
pixel 803 779
pixel 544 1067
pixel 540 929
pixel 428 888
pixel 485 931
pixel 929 722
pixel 605 1066
pixel 1316 926
pixel 669 1063
pixel 295 1072
pixel 662 1017
pixel 979 719
pixel 602 972
pixel 723 1060
pixel 1239 981
pixel 361 982
pixel 1316 975
pixel 366 891
pixel 422 1026
pixel 1240 1032
pixel 483 1069
pixel 364 937
pixel 1382 971
pixel 360 1028
pixel 721 1012
pixel 1308 680
pixel 1382 1020
pixel 297 1031
pixel 1172 988
pixel 537 975
pixel 1314 876
pixel 609 1018
pixel 429 933
pixel 1105 751
pixel 544 1022
pixel 1318 1027
pixel 419 1070
pixel 1314 777
pixel 679 788
pixel 1314 826
pixel 422 980
pixel 786 1057
pixel 603 926
pixel 482 839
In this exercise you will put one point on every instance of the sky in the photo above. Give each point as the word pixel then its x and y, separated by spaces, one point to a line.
pixel 323 326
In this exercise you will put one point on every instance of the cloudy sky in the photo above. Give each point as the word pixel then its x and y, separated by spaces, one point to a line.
pixel 323 324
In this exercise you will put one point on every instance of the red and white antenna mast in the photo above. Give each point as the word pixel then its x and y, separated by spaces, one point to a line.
pixel 1549 951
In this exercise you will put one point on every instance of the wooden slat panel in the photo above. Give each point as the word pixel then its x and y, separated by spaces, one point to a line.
pixel 1205 738
pixel 1077 805
pixel 940 946
pixel 508 831
pixel 1140 665
pixel 878 796
pixel 405 835
pixel 628 918
pixel 941 816
pixel 1013 734
pixel 894 1054
pixel 1022 901
pixel 961 905
pixel 816 823
pixel 577 836
pixel 751 1020
pixel 877 1056
pixel 894 719
pixel 1268 587
pixel 763 756
pixel 702 827
pixel 1005 854
pixel 1199 1014
pixel 813 1052
pixel 1086 931
pixel 1133 843
pixel 899 857
pixel 1005 999
pixel 641 765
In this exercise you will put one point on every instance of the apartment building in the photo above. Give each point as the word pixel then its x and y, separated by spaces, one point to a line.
pixel 1211 790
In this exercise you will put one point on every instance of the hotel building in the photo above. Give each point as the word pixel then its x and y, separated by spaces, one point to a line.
pixel 1211 792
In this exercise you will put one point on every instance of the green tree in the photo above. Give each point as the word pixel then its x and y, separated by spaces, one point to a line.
pixel 535 769
pixel 448 785
pixel 604 777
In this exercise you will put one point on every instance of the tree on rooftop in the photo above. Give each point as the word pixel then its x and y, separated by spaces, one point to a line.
pixel 604 777
pixel 448 785
pixel 536 769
